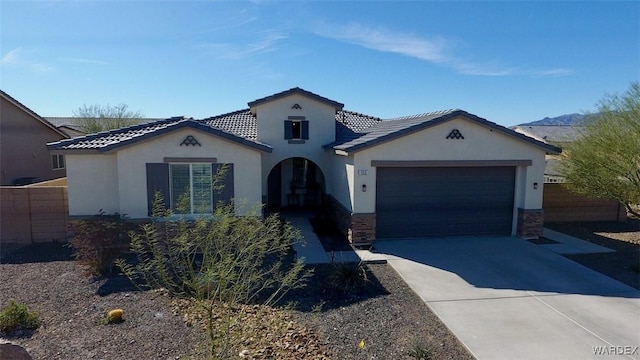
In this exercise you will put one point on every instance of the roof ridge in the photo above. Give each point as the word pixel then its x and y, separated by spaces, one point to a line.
pixel 175 119
pixel 431 113
pixel 227 114
pixel 361 114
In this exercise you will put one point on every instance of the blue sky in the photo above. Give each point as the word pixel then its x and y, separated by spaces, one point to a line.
pixel 508 62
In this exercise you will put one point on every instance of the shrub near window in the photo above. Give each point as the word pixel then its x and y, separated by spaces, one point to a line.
pixel 99 241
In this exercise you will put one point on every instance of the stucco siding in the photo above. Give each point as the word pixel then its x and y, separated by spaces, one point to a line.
pixel 479 143
pixel 23 146
pixel 270 122
pixel 342 181
pixel 92 184
pixel 131 167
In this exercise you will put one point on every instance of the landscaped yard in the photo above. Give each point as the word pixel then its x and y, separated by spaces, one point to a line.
pixel 385 320
pixel 623 237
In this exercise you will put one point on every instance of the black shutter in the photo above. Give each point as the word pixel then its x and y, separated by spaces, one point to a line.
pixel 157 180
pixel 288 132
pixel 225 194
pixel 305 130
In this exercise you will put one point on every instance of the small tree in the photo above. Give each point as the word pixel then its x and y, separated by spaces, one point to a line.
pixel 604 162
pixel 217 260
pixel 97 118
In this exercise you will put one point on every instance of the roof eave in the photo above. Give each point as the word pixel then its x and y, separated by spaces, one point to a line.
pixel 173 127
pixel 337 106
pixel 33 114
pixel 550 149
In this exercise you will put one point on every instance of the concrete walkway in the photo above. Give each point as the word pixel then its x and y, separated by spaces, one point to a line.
pixel 571 245
pixel 506 298
pixel 311 249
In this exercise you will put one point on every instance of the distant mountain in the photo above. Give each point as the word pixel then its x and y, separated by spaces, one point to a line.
pixel 569 119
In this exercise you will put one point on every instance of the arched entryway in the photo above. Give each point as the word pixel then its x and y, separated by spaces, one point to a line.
pixel 295 183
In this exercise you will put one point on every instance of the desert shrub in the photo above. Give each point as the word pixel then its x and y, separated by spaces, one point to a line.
pixel 420 351
pixel 218 259
pixel 348 277
pixel 97 242
pixel 16 316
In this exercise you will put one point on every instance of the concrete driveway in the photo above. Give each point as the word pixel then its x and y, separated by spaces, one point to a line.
pixel 506 298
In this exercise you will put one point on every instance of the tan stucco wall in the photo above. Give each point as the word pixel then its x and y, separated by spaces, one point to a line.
pixel 132 169
pixel 93 184
pixel 23 146
pixel 479 143
pixel 270 121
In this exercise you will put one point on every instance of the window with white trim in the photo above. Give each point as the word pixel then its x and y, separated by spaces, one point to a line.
pixel 57 162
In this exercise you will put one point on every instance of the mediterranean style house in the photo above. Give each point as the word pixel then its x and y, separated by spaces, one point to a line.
pixel 445 173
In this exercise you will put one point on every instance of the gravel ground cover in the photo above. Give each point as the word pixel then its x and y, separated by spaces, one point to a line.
pixel 385 320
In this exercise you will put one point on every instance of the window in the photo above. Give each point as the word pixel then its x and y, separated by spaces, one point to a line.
pixel 296 130
pixel 191 190
pixel 57 162
pixel 188 187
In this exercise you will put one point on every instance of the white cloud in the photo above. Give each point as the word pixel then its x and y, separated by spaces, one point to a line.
pixel 266 44
pixel 431 50
pixel 553 72
pixel 19 57
pixel 84 61
pixel 436 50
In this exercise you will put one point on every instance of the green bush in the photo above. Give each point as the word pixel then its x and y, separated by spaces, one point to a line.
pixel 420 352
pixel 219 259
pixel 99 241
pixel 16 316
pixel 348 277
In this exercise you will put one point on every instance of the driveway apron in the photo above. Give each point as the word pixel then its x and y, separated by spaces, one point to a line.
pixel 506 298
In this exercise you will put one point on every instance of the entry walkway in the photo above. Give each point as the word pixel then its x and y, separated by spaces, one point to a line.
pixel 312 250
pixel 571 245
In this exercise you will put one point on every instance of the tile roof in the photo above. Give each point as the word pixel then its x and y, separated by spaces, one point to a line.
pixel 390 129
pixel 297 90
pixel 383 130
pixel 72 122
pixel 350 125
pixel 109 140
pixel 354 131
pixel 241 123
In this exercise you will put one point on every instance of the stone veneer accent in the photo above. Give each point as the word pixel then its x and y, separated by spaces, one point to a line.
pixel 363 229
pixel 530 223
pixel 359 229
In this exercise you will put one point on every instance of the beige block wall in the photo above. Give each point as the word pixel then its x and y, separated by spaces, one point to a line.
pixel 33 214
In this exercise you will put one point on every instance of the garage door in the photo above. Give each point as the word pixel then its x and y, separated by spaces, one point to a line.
pixel 444 201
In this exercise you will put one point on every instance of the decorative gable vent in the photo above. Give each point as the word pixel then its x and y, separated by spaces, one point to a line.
pixel 297 107
pixel 190 141
pixel 455 134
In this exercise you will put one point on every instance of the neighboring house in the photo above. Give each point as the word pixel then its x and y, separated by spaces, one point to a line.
pixel 560 204
pixel 24 136
pixel 72 128
pixel 558 135
pixel 445 173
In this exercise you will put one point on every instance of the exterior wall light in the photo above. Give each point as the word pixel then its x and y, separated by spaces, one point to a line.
pixel 535 186
pixel 364 187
